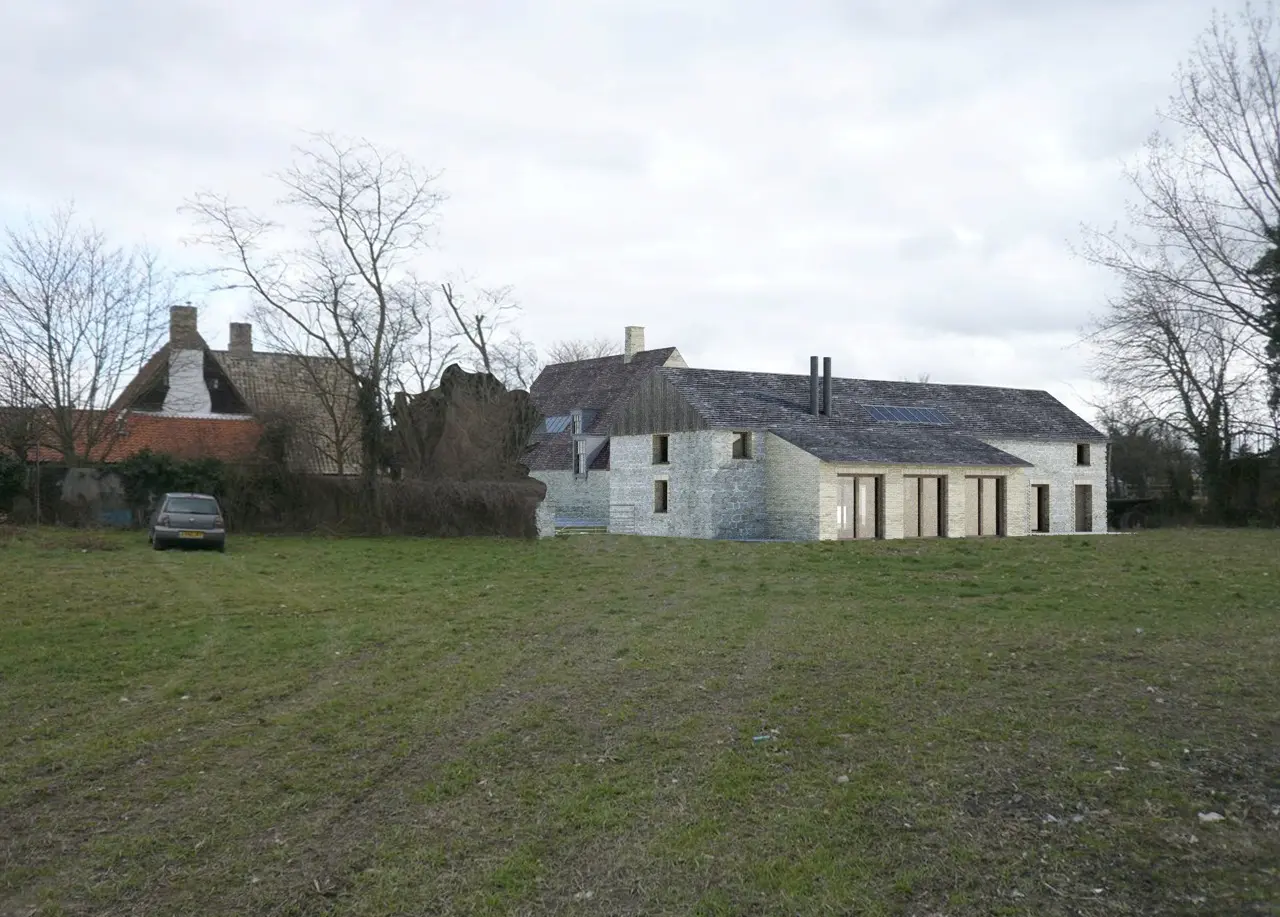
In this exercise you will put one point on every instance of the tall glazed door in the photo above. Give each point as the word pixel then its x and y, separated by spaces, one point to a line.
pixel 868 504
pixel 844 507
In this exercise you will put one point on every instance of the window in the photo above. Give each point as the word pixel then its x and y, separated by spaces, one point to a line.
pixel 742 445
pixel 577 421
pixel 660 496
pixel 580 457
pixel 194 506
pixel 1082 453
pixel 661 449
pixel 558 423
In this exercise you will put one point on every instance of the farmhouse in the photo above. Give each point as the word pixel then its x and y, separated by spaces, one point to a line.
pixel 194 402
pixel 642 443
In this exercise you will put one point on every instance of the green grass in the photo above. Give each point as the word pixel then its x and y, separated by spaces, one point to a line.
pixel 371 727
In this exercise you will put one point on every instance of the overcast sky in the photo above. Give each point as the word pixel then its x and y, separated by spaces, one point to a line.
pixel 893 184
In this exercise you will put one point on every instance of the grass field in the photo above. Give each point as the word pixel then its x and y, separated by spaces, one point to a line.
pixel 613 726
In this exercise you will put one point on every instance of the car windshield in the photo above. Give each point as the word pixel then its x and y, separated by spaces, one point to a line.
pixel 196 506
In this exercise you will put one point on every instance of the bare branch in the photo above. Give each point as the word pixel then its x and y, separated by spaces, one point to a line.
pixel 78 317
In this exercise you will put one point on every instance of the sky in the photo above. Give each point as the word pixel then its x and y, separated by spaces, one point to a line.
pixel 895 185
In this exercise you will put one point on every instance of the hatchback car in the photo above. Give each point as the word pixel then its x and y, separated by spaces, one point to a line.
pixel 188 520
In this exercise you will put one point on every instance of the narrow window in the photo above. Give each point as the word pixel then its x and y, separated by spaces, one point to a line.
pixel 579 457
pixel 742 445
pixel 577 421
pixel 661 449
pixel 1082 453
pixel 1042 508
pixel 660 496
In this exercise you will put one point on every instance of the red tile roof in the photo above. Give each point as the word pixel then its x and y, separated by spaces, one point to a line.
pixel 227 439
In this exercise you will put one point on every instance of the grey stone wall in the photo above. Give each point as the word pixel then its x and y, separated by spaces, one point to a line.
pixel 583 499
pixel 710 493
pixel 1054 463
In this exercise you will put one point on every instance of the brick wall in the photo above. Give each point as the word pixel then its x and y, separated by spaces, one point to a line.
pixel 1055 465
pixel 791 490
pixel 710 493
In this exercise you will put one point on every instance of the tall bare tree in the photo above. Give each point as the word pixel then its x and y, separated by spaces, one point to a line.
pixel 480 323
pixel 78 317
pixel 345 287
pixel 1194 330
pixel 1162 356
pixel 1206 199
pixel 571 351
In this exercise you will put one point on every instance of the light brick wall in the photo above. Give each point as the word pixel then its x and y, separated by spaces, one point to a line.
pixel 1054 464
pixel 710 493
pixel 791 490
pixel 572 497
pixel 892 495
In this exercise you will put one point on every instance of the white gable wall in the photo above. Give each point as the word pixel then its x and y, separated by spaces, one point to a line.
pixel 188 392
pixel 1054 464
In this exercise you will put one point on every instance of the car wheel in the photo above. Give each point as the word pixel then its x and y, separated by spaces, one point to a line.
pixel 222 548
pixel 156 543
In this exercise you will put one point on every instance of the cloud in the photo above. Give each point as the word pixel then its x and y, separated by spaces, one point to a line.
pixel 894 184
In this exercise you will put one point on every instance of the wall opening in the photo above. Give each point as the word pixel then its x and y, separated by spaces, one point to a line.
pixel 661 449
pixel 1082 453
pixel 660 496
pixel 923 506
pixel 984 509
pixel 742 446
pixel 1084 507
pixel 859 506
pixel 1040 521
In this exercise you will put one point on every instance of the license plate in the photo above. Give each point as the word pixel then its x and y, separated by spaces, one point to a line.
pixel 191 534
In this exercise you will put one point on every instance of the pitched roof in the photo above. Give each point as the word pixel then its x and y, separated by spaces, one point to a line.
pixel 729 398
pixel 599 385
pixel 314 391
pixel 228 439
pixel 317 393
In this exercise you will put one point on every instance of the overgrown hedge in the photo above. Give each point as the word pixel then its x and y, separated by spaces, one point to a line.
pixel 266 497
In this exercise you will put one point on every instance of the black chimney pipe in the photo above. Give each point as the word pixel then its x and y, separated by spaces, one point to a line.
pixel 826 386
pixel 813 386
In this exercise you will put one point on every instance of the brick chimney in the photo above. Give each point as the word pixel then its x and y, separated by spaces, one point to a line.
pixel 634 342
pixel 182 328
pixel 188 392
pixel 241 339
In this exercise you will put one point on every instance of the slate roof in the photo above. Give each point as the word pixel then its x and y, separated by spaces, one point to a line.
pixel 780 403
pixel 600 384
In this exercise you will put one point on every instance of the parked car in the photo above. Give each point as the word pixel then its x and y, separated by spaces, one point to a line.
pixel 188 520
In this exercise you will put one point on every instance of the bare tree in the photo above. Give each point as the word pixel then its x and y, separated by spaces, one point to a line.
pixel 571 351
pixel 346 290
pixel 1191 371
pixel 78 317
pixel 480 322
pixel 1207 191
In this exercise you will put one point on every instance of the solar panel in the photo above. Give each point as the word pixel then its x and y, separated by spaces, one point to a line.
pixel 892 414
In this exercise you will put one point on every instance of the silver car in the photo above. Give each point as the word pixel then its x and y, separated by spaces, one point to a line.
pixel 188 520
